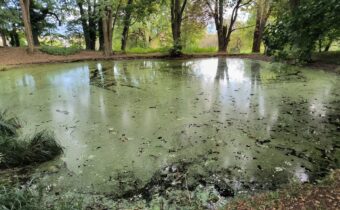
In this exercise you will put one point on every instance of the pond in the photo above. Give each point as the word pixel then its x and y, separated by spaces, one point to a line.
pixel 158 132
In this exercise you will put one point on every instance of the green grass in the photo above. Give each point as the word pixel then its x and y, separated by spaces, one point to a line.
pixel 188 50
pixel 18 198
pixel 59 50
pixel 140 50
pixel 15 152
pixel 8 125
pixel 25 198
pixel 191 50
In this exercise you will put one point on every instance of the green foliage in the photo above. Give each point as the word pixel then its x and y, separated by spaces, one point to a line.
pixel 18 199
pixel 296 31
pixel 189 50
pixel 20 152
pixel 25 198
pixel 60 50
pixel 176 50
pixel 40 148
pixel 8 125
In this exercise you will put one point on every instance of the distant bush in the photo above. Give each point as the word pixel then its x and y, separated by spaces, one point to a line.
pixel 140 50
pixel 200 50
pixel 20 152
pixel 59 50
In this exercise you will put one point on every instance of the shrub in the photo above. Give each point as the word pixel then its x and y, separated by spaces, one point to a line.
pixel 8 126
pixel 176 50
pixel 59 50
pixel 296 31
pixel 20 152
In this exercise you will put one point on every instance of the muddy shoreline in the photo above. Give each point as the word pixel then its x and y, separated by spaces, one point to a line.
pixel 9 58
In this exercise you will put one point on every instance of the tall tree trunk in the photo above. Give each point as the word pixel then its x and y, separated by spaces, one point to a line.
pixel 16 39
pixel 92 27
pixel 107 30
pixel 262 14
pixel 177 10
pixel 126 22
pixel 100 34
pixel 328 45
pixel 223 32
pixel 233 19
pixel 222 41
pixel 257 37
pixel 25 5
pixel 84 25
pixel 221 28
pixel 108 27
pixel 35 38
pixel 3 37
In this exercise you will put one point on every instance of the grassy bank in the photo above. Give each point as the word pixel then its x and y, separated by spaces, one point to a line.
pixel 16 151
pixel 323 195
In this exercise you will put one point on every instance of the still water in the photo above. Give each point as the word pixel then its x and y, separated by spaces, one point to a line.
pixel 180 130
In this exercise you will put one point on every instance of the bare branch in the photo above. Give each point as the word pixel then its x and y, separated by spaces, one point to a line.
pixel 248 2
pixel 209 6
pixel 183 6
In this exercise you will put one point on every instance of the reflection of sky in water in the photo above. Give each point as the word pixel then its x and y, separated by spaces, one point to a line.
pixel 301 174
pixel 199 92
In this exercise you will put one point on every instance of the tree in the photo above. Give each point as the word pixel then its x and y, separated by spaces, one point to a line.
pixel 135 11
pixel 3 37
pixel 127 21
pixel 43 14
pixel 109 19
pixel 25 5
pixel 177 8
pixel 298 28
pixel 217 10
pixel 263 10
pixel 88 18
pixel 10 21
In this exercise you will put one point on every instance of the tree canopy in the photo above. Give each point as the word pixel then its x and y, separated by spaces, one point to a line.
pixel 289 29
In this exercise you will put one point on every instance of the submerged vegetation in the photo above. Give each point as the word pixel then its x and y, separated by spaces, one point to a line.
pixel 15 151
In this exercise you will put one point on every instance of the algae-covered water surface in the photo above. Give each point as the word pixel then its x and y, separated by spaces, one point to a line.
pixel 179 132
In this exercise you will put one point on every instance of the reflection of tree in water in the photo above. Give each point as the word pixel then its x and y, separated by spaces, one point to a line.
pixel 307 138
pixel 222 70
pixel 177 68
pixel 255 74
pixel 281 73
pixel 102 75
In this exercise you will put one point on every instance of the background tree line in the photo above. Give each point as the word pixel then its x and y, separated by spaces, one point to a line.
pixel 289 28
